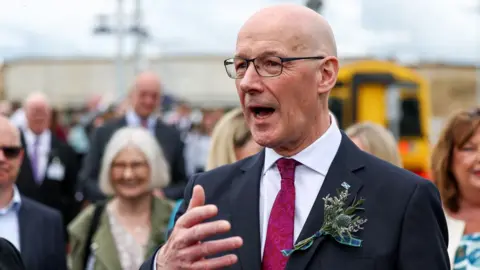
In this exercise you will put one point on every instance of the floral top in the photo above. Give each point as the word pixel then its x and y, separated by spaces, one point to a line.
pixel 130 253
pixel 468 253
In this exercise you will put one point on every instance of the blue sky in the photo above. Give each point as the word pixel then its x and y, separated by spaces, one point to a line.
pixel 438 30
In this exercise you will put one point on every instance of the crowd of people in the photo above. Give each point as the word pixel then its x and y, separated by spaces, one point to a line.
pixel 240 187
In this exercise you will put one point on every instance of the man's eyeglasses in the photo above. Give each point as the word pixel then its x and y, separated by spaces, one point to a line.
pixel 11 151
pixel 266 66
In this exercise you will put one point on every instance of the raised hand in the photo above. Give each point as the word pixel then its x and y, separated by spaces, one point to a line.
pixel 185 249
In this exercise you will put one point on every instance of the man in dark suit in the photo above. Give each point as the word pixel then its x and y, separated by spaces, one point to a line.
pixel 34 229
pixel 145 99
pixel 10 258
pixel 280 208
pixel 49 170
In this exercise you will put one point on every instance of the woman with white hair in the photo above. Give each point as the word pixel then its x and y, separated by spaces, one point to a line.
pixel 125 229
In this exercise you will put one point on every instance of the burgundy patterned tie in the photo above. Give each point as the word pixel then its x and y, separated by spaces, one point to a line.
pixel 281 221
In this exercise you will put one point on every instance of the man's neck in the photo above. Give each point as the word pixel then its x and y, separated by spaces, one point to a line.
pixel 311 136
pixel 6 196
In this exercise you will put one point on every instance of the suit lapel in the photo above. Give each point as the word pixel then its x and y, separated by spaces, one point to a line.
pixel 122 122
pixel 27 232
pixel 341 170
pixel 245 216
pixel 26 171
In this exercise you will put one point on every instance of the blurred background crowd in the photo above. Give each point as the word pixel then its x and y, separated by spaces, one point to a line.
pixel 132 127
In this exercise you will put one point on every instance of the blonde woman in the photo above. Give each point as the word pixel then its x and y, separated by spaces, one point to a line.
pixel 231 140
pixel 376 140
pixel 127 228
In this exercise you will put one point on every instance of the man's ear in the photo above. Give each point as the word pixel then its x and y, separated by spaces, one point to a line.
pixel 329 72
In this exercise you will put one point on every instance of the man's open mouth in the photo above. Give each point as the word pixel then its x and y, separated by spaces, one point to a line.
pixel 262 112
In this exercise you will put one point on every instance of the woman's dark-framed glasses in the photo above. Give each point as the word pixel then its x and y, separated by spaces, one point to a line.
pixel 266 66
pixel 11 151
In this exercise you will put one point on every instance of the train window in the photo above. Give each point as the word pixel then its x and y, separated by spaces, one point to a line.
pixel 336 107
pixel 410 124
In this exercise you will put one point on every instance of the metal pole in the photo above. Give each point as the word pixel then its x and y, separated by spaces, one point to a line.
pixel 138 17
pixel 120 31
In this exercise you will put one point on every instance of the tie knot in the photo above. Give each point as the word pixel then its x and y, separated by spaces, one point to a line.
pixel 287 166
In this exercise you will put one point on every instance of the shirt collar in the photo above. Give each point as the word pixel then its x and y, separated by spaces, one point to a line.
pixel 318 156
pixel 14 204
pixel 44 137
pixel 134 120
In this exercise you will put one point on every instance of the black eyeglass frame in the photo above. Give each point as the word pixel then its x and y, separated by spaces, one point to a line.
pixel 282 60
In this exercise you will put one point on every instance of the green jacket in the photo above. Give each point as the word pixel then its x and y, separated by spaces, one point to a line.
pixel 104 249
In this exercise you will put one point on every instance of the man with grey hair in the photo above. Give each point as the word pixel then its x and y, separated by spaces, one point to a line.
pixel 145 99
pixel 311 199
pixel 34 229
pixel 49 170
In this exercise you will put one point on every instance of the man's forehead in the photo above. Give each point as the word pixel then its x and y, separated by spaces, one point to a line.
pixel 279 42
pixel 262 49
pixel 9 136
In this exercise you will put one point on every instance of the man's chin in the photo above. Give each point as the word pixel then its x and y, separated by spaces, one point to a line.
pixel 264 139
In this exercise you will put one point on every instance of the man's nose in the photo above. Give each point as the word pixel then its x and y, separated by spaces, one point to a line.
pixel 251 80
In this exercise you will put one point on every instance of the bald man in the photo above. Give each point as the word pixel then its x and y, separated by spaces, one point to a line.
pixel 271 210
pixel 48 173
pixel 144 101
pixel 34 229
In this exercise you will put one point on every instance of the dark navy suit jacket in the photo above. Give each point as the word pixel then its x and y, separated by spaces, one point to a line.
pixel 406 227
pixel 42 242
pixel 10 258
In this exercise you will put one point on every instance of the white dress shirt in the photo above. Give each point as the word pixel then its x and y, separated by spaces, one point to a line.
pixel 44 145
pixel 9 226
pixel 134 120
pixel 309 176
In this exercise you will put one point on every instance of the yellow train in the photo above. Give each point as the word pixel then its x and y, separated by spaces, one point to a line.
pixel 391 95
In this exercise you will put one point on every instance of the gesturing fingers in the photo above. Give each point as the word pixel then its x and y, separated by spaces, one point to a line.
pixel 209 248
pixel 198 197
pixel 196 215
pixel 201 231
pixel 215 263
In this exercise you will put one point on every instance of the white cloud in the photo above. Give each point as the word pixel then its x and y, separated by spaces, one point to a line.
pixel 434 29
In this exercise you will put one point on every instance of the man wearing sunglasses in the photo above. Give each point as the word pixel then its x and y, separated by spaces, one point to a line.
pixel 34 229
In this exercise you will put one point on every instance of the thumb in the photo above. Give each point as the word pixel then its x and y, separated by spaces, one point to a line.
pixel 198 197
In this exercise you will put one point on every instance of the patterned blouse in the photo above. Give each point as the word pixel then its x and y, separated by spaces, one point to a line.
pixel 467 256
pixel 130 253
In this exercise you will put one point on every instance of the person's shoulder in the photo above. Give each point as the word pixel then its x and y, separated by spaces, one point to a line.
pixel 41 209
pixel 393 176
pixel 112 124
pixel 162 208
pixel 169 129
pixel 6 245
pixel 226 172
pixel 80 224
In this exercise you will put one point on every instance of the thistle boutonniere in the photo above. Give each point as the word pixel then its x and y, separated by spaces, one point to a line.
pixel 340 221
